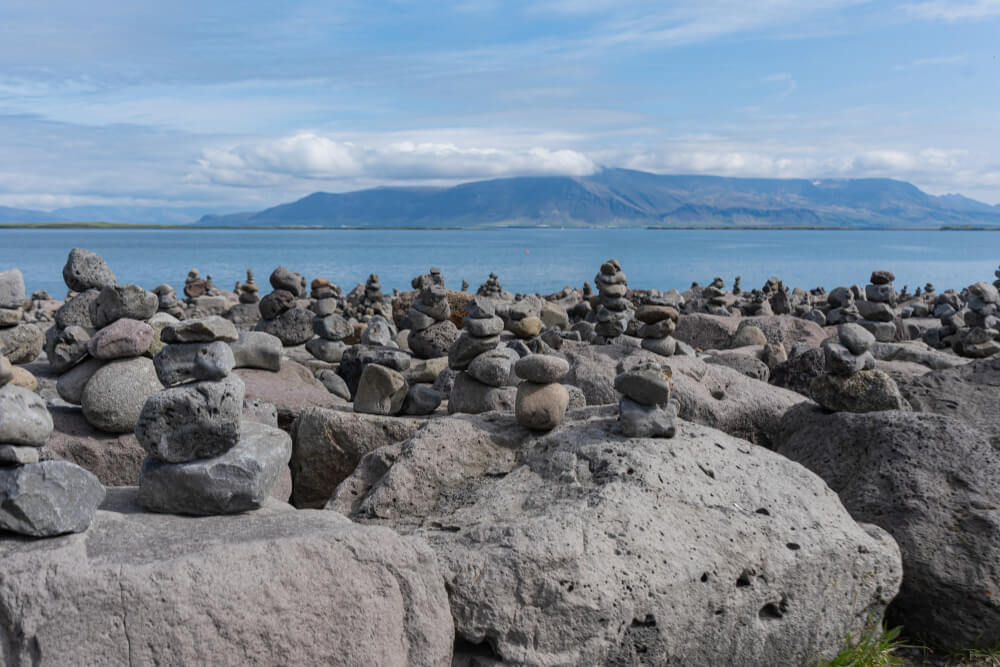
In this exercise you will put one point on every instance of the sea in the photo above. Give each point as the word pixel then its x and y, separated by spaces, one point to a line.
pixel 525 260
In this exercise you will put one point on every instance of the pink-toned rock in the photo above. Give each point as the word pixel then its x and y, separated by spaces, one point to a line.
pixel 122 338
pixel 291 390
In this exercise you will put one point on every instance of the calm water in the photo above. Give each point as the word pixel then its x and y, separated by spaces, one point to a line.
pixel 525 260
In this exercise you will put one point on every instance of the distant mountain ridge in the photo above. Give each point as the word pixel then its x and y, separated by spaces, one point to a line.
pixel 622 197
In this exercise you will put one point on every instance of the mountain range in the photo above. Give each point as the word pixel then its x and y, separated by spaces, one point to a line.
pixel 610 197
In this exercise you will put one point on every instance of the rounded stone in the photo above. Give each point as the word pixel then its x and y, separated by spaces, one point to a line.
pixel 11 289
pixel 22 344
pixel 76 311
pixel 541 407
pixel 122 338
pixel 494 368
pixel 24 418
pixel 122 301
pixel 434 341
pixel 292 327
pixel 200 330
pixel 381 391
pixel 528 327
pixel 646 384
pixel 651 313
pixel 882 277
pixel 749 335
pixel 332 327
pixel 86 270
pixel 276 303
pixel 855 338
pixel 6 370
pixel 541 368
pixel 115 394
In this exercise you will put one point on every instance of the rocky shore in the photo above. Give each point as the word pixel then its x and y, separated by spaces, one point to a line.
pixel 615 474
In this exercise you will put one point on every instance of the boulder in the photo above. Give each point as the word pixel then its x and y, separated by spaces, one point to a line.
pixel 586 548
pixel 114 395
pixel 930 481
pixel 237 480
pixel 969 392
pixel 182 362
pixel 434 341
pixel 86 270
pixel 114 458
pixel 292 327
pixel 353 363
pixel 47 499
pixel 70 384
pixel 540 407
pixel 495 368
pixel 381 391
pixel 471 396
pixel 201 330
pixel 744 364
pixel 422 399
pixel 328 444
pixel 864 391
pixel 22 344
pixel 706 332
pixel 76 311
pixel 65 348
pixel 159 589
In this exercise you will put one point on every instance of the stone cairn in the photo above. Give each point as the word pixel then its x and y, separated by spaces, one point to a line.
pixel 658 323
pixel 100 343
pixel 977 339
pixel 614 310
pixel 167 301
pixel 878 307
pixel 280 313
pixel 21 341
pixel 203 459
pixel 851 382
pixel 331 329
pixel 646 409
pixel 245 314
pixel 541 400
pixel 491 288
pixel 38 499
pixel 485 377
pixel 248 290
pixel 432 333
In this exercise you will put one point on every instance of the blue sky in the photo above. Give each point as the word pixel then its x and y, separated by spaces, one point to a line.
pixel 245 105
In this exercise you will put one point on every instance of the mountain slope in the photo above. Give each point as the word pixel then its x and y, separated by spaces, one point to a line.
pixel 8 214
pixel 627 197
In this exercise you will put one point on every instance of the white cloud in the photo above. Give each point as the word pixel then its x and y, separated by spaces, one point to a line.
pixel 949 10
pixel 956 59
pixel 310 156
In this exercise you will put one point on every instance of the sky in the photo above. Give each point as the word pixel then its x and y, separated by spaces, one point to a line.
pixel 243 105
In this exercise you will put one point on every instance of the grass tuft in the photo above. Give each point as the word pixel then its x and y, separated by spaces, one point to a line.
pixel 874 646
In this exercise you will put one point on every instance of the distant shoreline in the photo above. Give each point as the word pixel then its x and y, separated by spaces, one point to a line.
pixel 125 225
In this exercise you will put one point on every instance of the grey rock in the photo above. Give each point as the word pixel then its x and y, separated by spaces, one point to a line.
pixel 880 293
pixel 192 421
pixel 334 383
pixel 48 498
pixel 71 383
pixel 10 317
pixel 6 370
pixel 256 349
pixel 745 364
pixel 292 327
pixel 22 344
pixel 864 391
pixel 276 303
pixel 200 330
pixel 86 270
pixel 841 362
pixel 122 338
pixel 24 418
pixel 541 368
pixel 969 393
pixel 422 399
pixel 434 341
pixel 876 311
pixel 855 338
pixel 283 279
pixel 260 412
pixel 360 595
pixel 237 481
pixel 381 391
pixel 418 321
pixel 66 348
pixel 468 395
pixel 495 368
pixel 647 421
pixel 480 307
pixel 665 347
pixel 16 455
pixel 355 359
pixel 378 332
pixel 646 384
pixel 183 362
pixel 114 395
pixel 930 481
pixel 332 327
pixel 540 407
pixel 466 348
pixel 484 326
pixel 884 332
pixel 11 289
pixel 115 302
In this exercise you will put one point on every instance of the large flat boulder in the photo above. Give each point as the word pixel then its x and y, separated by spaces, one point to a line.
pixel 970 393
pixel 584 547
pixel 706 332
pixel 328 444
pixel 267 588
pixel 934 484
pixel 291 390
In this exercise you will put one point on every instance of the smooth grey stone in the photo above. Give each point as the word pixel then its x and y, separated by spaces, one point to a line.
pixel 24 418
pixel 237 481
pixel 86 270
pixel 15 455
pixel 334 383
pixel 256 349
pixel 48 498
pixel 645 384
pixel 200 330
pixel 353 363
pixel 276 303
pixel 840 361
pixel 495 368
pixel 283 279
pixel 381 391
pixel 541 407
pixel 71 383
pixel 880 293
pixel 647 421
pixel 330 351
pixel 470 396
pixel 874 310
pixel 66 348
pixel 884 332
pixel 22 344
pixel 434 341
pixel 482 326
pixel 6 370
pixel 519 347
pixel 467 347
pixel 10 317
pixel 839 297
pixel 660 329
pixel 76 311
pixel 122 301
pixel 422 399
pixel 480 308
pixel 115 394
pixel 292 327
pixel 418 321
pixel 665 347
pixel 192 421
pixel 855 338
pixel 183 362
pixel 332 327
pixel 541 368
pixel 11 289
pixel 122 338
pixel 324 307
pixel 378 332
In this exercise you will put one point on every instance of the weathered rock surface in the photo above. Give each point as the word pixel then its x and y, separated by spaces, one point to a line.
pixel 114 395
pixel 22 344
pixel 201 330
pixel 256 349
pixel 381 391
pixel 589 548
pixel 181 362
pixel 471 396
pixel 86 270
pixel 24 418
pixel 970 393
pixel 931 481
pixel 11 289
pixel 292 327
pixel 159 589
pixel 46 499
pixel 328 444
pixel 114 458
pixel 121 339
pixel 236 481
pixel 122 301
pixel 864 391
pixel 292 390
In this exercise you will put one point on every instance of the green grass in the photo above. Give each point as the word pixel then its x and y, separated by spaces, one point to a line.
pixel 979 656
pixel 874 646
